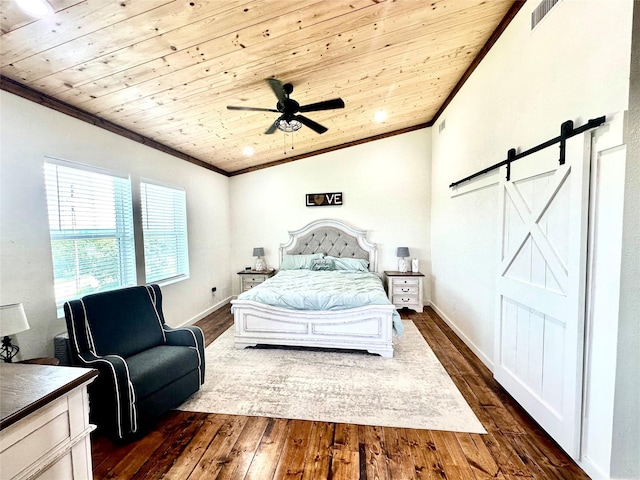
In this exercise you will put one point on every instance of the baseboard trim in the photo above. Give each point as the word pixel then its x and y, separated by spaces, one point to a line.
pixel 208 311
pixel 474 348
pixel 592 469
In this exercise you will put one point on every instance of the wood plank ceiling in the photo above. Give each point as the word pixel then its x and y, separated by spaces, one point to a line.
pixel 166 70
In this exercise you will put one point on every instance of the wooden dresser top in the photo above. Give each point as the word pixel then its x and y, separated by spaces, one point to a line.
pixel 25 388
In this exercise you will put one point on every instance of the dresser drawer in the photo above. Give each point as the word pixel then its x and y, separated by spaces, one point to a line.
pixel 34 437
pixel 53 440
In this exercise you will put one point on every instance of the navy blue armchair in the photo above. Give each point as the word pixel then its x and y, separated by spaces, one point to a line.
pixel 146 367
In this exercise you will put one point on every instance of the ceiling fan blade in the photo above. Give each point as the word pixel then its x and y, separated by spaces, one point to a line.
pixel 274 126
pixel 251 109
pixel 316 127
pixel 326 105
pixel 278 89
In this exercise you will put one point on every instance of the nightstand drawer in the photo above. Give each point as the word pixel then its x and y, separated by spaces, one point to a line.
pixel 254 279
pixel 406 281
pixel 405 289
pixel 405 300
pixel 248 284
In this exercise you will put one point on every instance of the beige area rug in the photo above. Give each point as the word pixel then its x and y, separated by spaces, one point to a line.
pixel 410 390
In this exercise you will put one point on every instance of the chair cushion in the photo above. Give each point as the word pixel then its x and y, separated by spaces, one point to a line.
pixel 157 367
pixel 123 322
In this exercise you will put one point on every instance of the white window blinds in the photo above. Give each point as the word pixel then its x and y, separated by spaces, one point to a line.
pixel 91 227
pixel 164 225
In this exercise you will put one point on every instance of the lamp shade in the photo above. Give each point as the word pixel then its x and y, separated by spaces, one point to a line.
pixel 12 319
pixel 258 252
pixel 402 252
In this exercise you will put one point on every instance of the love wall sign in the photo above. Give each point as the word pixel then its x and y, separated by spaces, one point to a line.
pixel 324 199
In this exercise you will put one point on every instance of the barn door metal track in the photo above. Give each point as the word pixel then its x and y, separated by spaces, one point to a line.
pixel 566 131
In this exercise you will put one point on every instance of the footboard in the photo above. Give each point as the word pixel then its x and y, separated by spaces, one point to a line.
pixel 367 328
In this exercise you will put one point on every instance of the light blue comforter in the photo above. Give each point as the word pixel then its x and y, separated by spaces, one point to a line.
pixel 322 290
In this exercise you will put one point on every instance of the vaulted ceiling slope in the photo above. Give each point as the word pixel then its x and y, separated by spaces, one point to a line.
pixel 163 72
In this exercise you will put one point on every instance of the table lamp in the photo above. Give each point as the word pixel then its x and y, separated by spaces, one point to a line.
pixel 261 265
pixel 402 254
pixel 12 320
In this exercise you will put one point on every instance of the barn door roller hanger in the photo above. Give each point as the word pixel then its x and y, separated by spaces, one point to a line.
pixel 566 131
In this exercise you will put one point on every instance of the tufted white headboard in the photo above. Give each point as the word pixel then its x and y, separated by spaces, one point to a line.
pixel 331 237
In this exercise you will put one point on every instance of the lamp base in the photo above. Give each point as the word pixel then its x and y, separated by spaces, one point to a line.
pixel 8 350
pixel 261 265
pixel 402 265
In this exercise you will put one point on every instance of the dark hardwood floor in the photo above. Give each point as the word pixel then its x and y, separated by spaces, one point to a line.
pixel 187 445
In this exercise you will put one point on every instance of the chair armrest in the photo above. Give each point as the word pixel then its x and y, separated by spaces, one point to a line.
pixel 112 388
pixel 190 336
pixel 184 336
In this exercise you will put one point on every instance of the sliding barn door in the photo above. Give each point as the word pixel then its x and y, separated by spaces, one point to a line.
pixel 541 287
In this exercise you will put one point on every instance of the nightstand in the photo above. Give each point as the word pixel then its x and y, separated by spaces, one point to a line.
pixel 405 289
pixel 251 278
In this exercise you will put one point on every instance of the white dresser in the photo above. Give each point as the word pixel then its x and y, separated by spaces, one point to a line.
pixel 45 427
pixel 405 289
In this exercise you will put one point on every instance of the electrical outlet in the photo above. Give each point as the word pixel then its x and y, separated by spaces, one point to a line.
pixel 213 290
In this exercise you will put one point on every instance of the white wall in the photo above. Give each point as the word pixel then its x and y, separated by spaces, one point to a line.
pixel 29 132
pixel 574 66
pixel 385 186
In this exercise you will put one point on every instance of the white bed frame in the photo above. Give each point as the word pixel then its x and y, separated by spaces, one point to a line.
pixel 364 328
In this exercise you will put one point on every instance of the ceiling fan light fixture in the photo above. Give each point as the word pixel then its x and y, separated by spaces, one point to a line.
pixel 35 8
pixel 289 126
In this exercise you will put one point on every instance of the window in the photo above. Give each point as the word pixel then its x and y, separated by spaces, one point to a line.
pixel 91 226
pixel 92 222
pixel 164 225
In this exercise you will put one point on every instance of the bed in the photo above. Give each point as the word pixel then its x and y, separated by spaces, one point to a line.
pixel 369 327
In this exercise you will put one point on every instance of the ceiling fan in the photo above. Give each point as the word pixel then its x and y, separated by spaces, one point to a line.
pixel 289 121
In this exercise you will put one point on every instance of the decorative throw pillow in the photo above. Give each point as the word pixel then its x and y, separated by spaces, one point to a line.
pixel 299 262
pixel 357 264
pixel 322 264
